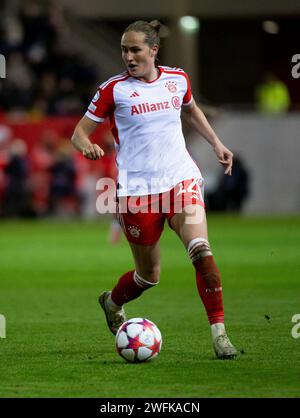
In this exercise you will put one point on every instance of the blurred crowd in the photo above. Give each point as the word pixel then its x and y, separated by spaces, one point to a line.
pixel 51 179
pixel 46 74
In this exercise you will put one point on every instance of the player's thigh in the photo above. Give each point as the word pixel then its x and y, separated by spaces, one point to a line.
pixel 147 260
pixel 190 223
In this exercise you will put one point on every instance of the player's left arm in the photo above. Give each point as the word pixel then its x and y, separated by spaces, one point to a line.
pixel 196 118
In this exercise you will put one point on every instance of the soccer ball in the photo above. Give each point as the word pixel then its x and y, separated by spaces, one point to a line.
pixel 138 340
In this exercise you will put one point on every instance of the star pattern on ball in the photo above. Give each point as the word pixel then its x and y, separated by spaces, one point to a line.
pixel 146 324
pixel 134 343
pixel 155 347
pixel 140 343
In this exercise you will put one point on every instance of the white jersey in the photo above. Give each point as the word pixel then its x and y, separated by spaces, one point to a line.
pixel 146 124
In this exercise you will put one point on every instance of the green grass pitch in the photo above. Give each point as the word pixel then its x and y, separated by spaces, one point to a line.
pixel 58 344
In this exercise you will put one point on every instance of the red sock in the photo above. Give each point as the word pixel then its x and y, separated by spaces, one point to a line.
pixel 210 288
pixel 127 289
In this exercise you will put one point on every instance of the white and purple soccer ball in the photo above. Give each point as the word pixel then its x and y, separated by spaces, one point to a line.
pixel 138 340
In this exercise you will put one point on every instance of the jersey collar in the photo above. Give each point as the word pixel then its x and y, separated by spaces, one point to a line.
pixel 160 70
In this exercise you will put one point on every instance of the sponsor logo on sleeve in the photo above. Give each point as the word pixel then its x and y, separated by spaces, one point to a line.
pixel 92 107
pixel 96 97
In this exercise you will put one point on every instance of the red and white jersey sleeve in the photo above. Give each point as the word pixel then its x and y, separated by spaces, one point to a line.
pixel 188 97
pixel 102 104
pixel 145 119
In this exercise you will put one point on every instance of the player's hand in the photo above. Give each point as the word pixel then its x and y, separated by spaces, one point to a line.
pixel 225 157
pixel 93 152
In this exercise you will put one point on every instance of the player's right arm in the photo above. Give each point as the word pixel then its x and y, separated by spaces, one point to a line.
pixel 81 141
pixel 101 106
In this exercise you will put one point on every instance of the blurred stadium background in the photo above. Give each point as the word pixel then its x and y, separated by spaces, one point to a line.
pixel 239 58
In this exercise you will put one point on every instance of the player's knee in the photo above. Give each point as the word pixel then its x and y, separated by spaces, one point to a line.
pixel 198 248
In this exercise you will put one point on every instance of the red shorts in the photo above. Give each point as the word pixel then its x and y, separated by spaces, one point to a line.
pixel 142 218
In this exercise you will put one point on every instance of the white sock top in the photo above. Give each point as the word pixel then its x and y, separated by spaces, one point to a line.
pixel 217 329
pixel 111 304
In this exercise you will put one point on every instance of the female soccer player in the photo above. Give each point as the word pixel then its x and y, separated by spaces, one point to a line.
pixel 157 178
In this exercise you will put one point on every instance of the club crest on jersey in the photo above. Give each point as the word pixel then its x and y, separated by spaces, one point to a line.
pixel 134 231
pixel 150 107
pixel 171 86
